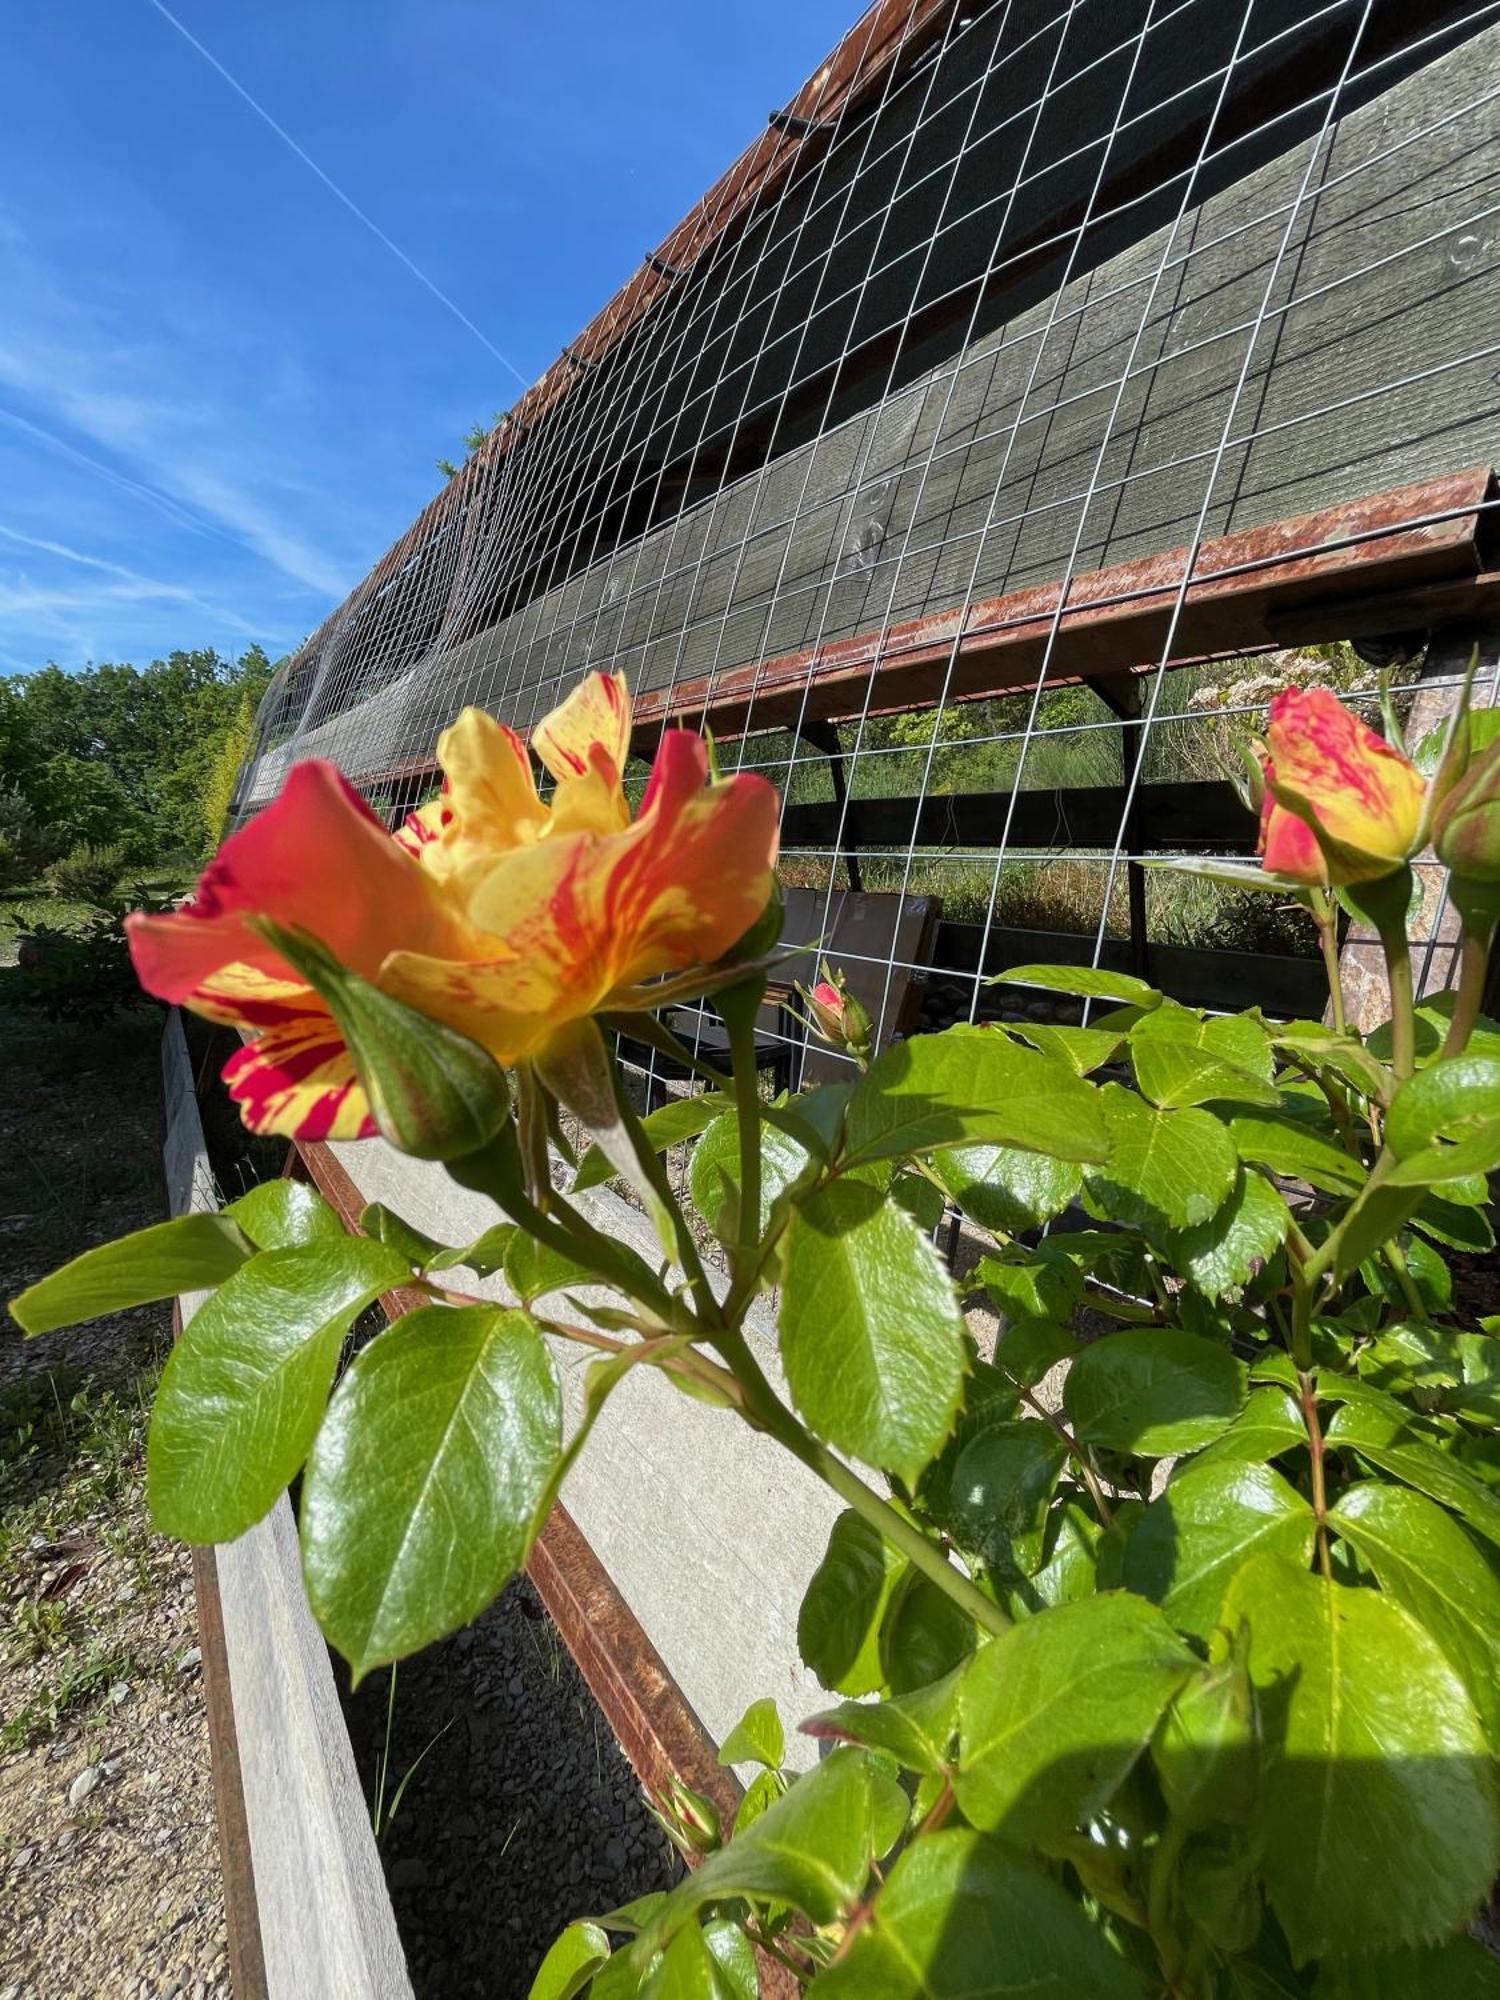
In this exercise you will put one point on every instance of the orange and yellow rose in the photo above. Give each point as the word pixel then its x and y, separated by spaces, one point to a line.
pixel 502 915
pixel 1341 805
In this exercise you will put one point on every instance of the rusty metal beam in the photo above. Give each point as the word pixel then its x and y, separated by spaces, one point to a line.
pixel 1386 562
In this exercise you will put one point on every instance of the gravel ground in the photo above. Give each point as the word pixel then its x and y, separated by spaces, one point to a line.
pixel 509 1808
pixel 109 1872
pixel 522 1814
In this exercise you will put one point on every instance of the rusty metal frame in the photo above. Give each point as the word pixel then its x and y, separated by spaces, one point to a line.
pixel 1408 559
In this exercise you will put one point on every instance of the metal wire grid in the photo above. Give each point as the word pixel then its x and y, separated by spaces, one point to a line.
pixel 482 555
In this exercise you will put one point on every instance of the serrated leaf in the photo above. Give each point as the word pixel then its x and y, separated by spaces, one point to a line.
pixel 812 1849
pixel 385 1226
pixel 1030 1284
pixel 924 1635
pixel 533 1269
pixel 189 1254
pixel 1053 1713
pixel 922 1201
pixel 1030 1349
pixel 1462 1970
pixel 970 1085
pixel 1154 1391
pixel 757 1738
pixel 1167 1170
pixel 961 1918
pixel 1182 1057
pixel 1071 1545
pixel 1366 1427
pixel 1269 1424
pixel 670 1124
pixel 1005 1189
pixel 1310 1043
pixel 1292 1147
pixel 1085 981
pixel 1425 1561
pixel 1225 1252
pixel 1375 1806
pixel 871 1335
pixel 1459 1225
pixel 714 1172
pixel 571 1963
pixel 244 1389
pixel 485 1255
pixel 715 1963
pixel 277 1215
pixel 916 1729
pixel 1189 1544
pixel 420 1496
pixel 1083 1049
pixel 838 1626
pixel 1001 1490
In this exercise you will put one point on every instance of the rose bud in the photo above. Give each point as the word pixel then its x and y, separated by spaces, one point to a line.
pixel 1360 799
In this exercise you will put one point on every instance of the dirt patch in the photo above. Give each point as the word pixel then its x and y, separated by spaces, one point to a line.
pixel 109 1866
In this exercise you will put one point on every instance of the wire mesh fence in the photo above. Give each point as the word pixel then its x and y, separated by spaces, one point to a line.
pixel 1041 365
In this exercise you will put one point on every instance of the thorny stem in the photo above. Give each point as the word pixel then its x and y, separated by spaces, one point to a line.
pixel 739 1010
pixel 1076 1452
pixel 766 1943
pixel 766 1410
pixel 656 1176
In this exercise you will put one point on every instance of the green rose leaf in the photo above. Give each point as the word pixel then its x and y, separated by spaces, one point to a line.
pixel 1375 1806
pixel 1297 1149
pixel 1225 1252
pixel 422 1489
pixel 1154 1391
pixel 1088 982
pixel 714 1174
pixel 715 1963
pixel 1456 1099
pixel 1003 1188
pixel 1462 1970
pixel 190 1254
pixel 1425 1561
pixel 1030 1284
pixel 1182 1057
pixel 1083 1049
pixel 670 1124
pixel 963 1917
pixel 916 1729
pixel 1380 1437
pixel 1190 1543
pixel 533 1269
pixel 757 1738
pixel 838 1626
pixel 244 1389
pixel 385 1226
pixel 924 1636
pixel 1053 1713
pixel 1000 1493
pixel 279 1214
pixel 871 1334
pixel 812 1849
pixel 966 1085
pixel 573 1960
pixel 1269 1424
pixel 1167 1170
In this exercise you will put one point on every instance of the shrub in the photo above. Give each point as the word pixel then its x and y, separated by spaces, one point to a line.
pixel 25 848
pixel 88 873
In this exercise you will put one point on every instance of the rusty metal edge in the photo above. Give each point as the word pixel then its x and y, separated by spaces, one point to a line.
pixel 247 1964
pixel 1401 559
pixel 652 1719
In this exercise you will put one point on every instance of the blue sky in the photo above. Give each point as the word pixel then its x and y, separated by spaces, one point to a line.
pixel 221 397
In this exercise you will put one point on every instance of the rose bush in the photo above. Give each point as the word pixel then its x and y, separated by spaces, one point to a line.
pixel 1179 1681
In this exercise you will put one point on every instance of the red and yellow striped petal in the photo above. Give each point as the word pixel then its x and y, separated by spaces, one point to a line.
pixel 297 1081
pixel 316 860
pixel 595 716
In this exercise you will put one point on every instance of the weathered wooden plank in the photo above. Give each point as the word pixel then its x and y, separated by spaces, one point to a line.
pixel 326 1929
pixel 1372 368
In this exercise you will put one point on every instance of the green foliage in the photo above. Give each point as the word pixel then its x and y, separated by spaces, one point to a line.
pixel 1179 1610
pixel 89 874
pixel 137 756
